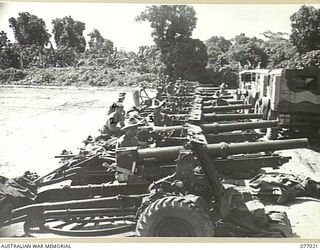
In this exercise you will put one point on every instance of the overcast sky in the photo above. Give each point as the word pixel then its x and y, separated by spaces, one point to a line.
pixel 116 21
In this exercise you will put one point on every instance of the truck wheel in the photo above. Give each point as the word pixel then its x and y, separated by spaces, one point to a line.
pixel 175 216
pixel 272 133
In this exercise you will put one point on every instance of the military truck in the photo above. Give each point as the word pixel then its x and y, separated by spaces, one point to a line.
pixel 290 95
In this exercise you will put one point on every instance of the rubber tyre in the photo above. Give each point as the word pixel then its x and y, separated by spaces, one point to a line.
pixel 272 133
pixel 174 216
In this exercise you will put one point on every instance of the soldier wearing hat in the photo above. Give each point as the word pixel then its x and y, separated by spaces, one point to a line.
pixel 222 91
pixel 159 93
pixel 130 138
pixel 170 89
pixel 112 107
pixel 157 117
pixel 140 95
pixel 115 121
pixel 122 96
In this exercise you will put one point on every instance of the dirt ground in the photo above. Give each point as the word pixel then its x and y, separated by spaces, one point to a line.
pixel 36 124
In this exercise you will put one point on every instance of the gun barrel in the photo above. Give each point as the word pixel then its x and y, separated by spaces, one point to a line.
pixel 224 149
pixel 211 102
pixel 229 117
pixel 210 109
pixel 235 102
pixel 211 97
pixel 219 128
pixel 170 154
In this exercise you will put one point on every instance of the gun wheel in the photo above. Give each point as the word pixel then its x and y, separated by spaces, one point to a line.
pixel 82 226
pixel 175 216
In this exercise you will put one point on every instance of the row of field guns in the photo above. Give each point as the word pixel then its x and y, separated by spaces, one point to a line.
pixel 106 189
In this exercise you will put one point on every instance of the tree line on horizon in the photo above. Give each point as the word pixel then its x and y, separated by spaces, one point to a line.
pixel 174 53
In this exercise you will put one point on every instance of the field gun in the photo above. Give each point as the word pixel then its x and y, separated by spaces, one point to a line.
pixel 169 154
pixel 218 102
pixel 214 132
pixel 79 218
pixel 226 108
pixel 208 97
pixel 220 128
pixel 229 158
pixel 196 117
pixel 229 117
pixel 111 209
pixel 206 88
pixel 173 107
pixel 193 202
pixel 231 137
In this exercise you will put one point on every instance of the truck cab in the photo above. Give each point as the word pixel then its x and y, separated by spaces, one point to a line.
pixel 294 96
pixel 253 85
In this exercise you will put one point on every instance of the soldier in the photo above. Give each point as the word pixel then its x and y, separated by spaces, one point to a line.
pixel 139 96
pixel 157 117
pixel 122 96
pixel 130 138
pixel 115 121
pixel 170 88
pixel 159 93
pixel 114 105
pixel 222 91
pixel 112 108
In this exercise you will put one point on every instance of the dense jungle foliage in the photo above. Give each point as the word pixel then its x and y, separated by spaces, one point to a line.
pixel 76 60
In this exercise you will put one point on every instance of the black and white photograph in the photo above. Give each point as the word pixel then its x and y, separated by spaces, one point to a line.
pixel 159 120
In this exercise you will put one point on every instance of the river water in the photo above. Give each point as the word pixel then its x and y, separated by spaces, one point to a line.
pixel 38 123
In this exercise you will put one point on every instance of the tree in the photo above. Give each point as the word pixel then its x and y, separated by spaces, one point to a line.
pixel 248 52
pixel 29 29
pixel 4 41
pixel 305 29
pixel 149 60
pixel 69 33
pixel 172 28
pixel 310 59
pixel 278 49
pixel 8 55
pixel 217 48
pixel 99 45
pixel 191 58
pixel 95 38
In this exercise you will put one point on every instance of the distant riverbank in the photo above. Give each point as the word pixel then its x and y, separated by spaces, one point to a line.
pixel 114 88
pixel 83 76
